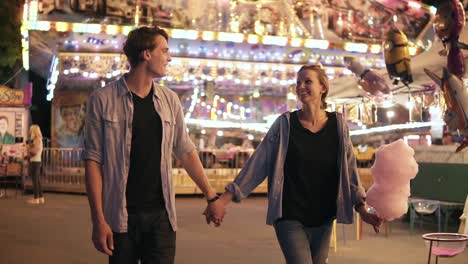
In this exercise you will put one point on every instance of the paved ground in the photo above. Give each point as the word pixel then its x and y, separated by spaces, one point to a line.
pixel 59 232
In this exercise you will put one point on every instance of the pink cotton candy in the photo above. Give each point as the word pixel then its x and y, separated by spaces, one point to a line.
pixel 398 190
pixel 392 171
pixel 388 205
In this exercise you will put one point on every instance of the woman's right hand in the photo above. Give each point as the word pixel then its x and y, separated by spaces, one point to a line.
pixel 372 219
pixel 103 238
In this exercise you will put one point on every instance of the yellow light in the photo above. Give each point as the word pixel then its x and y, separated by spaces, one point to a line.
pixel 234 26
pixel 184 34
pixel 253 39
pixel 87 28
pixel 296 42
pixel 356 47
pixel 24 31
pixel 213 115
pixel 414 5
pixel 78 27
pixel 233 37
pixel 275 40
pixel 137 15
pixel 259 28
pixel 137 18
pixel 412 50
pixel 43 25
pixel 37 25
pixel 112 30
pixel 376 48
pixel 316 44
pixel 32 11
pixel 25 11
pixel 126 30
pixel 25 53
pixel 208 35
pixel 291 96
pixel 25 26
pixel 61 26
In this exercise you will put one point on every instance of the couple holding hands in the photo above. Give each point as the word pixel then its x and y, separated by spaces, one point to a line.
pixel 133 127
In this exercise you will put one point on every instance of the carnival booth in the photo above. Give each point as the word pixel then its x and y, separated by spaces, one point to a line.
pixel 234 68
pixel 14 128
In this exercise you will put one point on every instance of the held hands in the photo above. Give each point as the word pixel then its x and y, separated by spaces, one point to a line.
pixel 103 238
pixel 215 211
pixel 372 219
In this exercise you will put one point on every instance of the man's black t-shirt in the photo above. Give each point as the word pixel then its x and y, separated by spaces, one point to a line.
pixel 144 190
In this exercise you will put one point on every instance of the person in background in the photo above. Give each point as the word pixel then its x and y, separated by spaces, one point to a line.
pixel 312 174
pixel 133 126
pixel 35 153
pixel 5 137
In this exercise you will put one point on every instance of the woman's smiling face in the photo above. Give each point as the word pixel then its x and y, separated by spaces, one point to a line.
pixel 308 87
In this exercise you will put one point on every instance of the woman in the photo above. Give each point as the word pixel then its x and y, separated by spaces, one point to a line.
pixel 35 151
pixel 312 176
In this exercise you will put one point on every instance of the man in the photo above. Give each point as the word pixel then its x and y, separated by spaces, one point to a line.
pixel 5 137
pixel 132 128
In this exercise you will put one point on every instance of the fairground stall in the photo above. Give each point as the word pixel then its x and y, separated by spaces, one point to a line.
pixel 14 128
pixel 234 68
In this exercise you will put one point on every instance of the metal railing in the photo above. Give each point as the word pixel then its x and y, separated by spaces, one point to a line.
pixel 63 170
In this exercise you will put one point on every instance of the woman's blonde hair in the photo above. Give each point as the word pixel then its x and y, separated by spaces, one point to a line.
pixel 323 79
pixel 35 132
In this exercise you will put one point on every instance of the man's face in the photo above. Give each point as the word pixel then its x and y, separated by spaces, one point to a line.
pixel 159 58
pixel 3 126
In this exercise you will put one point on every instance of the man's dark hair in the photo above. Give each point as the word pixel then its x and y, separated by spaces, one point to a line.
pixel 141 39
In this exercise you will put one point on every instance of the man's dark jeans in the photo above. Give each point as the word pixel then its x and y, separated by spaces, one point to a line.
pixel 150 238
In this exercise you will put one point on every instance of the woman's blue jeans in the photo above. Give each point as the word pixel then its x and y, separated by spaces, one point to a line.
pixel 302 244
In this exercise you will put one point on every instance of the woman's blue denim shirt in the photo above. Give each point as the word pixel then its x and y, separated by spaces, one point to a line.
pixel 268 161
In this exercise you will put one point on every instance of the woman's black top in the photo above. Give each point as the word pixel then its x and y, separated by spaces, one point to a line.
pixel 311 173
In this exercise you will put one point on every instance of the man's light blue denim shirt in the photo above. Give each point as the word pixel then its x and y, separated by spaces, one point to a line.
pixel 268 162
pixel 108 139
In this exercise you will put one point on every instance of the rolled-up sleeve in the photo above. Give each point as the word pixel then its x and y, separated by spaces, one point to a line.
pixel 252 174
pixel 93 130
pixel 256 169
pixel 182 142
